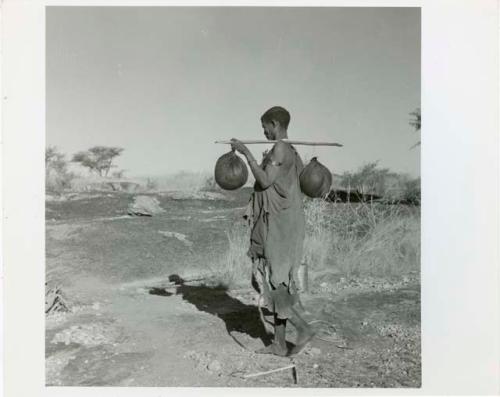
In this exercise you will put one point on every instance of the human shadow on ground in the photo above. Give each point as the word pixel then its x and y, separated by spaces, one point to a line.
pixel 215 300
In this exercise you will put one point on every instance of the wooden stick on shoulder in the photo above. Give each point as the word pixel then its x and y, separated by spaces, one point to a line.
pixel 292 142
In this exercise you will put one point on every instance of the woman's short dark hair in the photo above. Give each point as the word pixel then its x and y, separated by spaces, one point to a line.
pixel 277 113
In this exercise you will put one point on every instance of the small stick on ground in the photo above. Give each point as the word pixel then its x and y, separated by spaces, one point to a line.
pixel 269 372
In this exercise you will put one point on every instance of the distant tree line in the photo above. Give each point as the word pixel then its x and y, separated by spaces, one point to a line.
pixel 370 180
pixel 98 160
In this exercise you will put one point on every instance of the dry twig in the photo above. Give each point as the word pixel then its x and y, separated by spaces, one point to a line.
pixel 269 372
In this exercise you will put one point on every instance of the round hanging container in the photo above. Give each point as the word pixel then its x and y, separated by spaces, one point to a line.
pixel 315 179
pixel 231 172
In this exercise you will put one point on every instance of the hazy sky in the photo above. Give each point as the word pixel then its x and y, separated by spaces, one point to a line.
pixel 164 83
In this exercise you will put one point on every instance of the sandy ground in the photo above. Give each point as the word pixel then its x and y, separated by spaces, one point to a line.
pixel 128 326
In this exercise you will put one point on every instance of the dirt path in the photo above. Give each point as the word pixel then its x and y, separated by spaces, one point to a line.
pixel 128 336
pixel 137 334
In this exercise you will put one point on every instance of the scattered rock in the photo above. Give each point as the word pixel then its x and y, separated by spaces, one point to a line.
pixel 214 366
pixel 314 351
pixel 87 335
pixel 145 206
pixel 178 236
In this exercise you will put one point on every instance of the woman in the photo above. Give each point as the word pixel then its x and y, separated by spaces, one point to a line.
pixel 277 229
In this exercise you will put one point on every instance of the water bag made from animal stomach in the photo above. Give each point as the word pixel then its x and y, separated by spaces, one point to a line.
pixel 315 179
pixel 231 171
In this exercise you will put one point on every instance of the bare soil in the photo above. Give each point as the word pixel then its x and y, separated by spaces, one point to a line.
pixel 130 326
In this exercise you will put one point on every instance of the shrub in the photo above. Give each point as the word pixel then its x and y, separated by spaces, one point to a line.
pixel 404 190
pixel 369 178
pixel 351 239
pixel 234 267
pixel 57 176
pixel 318 239
pixel 368 240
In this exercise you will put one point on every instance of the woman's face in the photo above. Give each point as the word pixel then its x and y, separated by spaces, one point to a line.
pixel 269 130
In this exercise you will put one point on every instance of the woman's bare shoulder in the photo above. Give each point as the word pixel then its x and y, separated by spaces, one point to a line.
pixel 282 152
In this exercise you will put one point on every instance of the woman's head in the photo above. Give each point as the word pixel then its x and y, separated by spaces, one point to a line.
pixel 277 114
pixel 275 122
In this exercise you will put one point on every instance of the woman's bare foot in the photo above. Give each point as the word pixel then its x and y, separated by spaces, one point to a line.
pixel 273 348
pixel 303 338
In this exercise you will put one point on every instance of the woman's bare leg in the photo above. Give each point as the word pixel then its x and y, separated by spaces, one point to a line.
pixel 278 347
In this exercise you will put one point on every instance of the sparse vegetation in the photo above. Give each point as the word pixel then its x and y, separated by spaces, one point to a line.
pixel 234 268
pixel 369 178
pixel 57 175
pixel 390 186
pixel 403 190
pixel 318 240
pixel 362 239
pixel 375 239
pixel 348 239
pixel 98 159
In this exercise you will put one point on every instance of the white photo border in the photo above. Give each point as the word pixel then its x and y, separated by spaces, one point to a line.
pixel 460 200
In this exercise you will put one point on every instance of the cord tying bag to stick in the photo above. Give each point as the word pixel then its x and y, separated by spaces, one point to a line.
pixel 315 179
pixel 231 171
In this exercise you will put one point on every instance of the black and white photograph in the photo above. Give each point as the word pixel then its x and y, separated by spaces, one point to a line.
pixel 240 197
pixel 233 197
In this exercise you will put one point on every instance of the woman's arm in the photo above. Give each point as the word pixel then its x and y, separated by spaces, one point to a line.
pixel 265 178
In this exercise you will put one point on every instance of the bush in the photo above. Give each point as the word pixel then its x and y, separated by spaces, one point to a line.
pixel 234 268
pixel 404 190
pixel 57 176
pixel 368 179
pixel 349 239
pixel 318 239
pixel 363 239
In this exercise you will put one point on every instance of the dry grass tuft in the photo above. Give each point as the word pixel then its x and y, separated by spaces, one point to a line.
pixel 318 241
pixel 362 238
pixel 234 268
pixel 349 239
